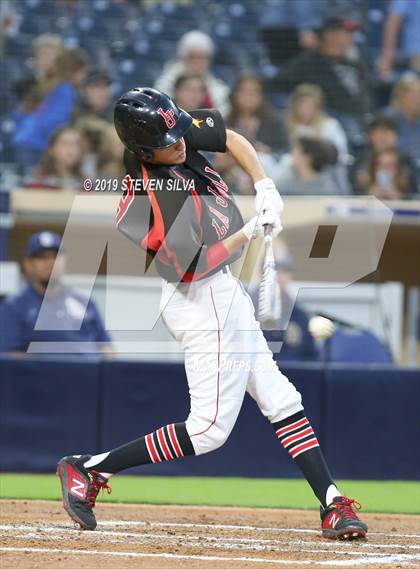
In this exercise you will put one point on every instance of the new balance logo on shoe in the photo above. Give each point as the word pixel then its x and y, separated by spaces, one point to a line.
pixel 334 520
pixel 78 489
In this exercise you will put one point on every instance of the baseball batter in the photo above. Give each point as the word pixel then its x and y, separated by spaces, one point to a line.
pixel 192 234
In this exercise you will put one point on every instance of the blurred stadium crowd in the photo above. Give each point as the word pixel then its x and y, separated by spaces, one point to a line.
pixel 328 91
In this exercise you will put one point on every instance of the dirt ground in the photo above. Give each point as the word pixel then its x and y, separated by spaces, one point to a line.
pixel 38 534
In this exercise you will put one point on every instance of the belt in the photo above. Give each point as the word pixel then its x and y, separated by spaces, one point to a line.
pixel 225 270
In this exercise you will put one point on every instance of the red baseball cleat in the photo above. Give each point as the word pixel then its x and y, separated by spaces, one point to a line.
pixel 340 521
pixel 80 488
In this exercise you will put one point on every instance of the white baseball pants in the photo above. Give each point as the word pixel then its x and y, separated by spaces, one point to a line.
pixel 226 354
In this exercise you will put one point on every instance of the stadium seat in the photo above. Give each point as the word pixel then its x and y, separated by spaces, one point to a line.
pixel 356 346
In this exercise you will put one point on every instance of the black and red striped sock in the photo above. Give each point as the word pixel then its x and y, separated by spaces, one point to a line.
pixel 298 438
pixel 164 444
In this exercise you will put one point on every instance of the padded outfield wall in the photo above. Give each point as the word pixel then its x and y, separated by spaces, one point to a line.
pixel 366 418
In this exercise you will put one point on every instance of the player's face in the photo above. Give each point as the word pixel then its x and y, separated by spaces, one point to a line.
pixel 173 154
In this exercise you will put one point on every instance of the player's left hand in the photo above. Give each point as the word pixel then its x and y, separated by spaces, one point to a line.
pixel 268 196
pixel 269 217
pixel 256 226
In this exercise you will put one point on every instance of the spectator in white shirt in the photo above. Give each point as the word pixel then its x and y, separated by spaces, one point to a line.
pixel 306 117
pixel 195 52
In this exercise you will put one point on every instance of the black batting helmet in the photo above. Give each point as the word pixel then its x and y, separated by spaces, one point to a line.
pixel 146 119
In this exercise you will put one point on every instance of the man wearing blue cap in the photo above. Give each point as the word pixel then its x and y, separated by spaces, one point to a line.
pixel 66 316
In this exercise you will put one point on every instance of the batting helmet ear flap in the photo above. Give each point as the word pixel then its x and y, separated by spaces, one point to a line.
pixel 145 153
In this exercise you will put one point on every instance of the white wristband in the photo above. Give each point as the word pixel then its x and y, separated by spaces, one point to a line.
pixel 264 184
pixel 249 228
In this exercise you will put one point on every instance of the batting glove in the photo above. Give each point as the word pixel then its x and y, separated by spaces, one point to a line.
pixel 256 226
pixel 268 196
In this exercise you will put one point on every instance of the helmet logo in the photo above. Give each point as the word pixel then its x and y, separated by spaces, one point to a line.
pixel 168 117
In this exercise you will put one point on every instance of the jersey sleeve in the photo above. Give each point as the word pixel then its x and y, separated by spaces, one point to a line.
pixel 208 131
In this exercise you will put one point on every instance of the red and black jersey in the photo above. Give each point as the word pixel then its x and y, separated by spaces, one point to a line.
pixel 181 214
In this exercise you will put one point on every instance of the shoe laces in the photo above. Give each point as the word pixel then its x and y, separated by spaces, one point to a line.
pixel 97 482
pixel 346 507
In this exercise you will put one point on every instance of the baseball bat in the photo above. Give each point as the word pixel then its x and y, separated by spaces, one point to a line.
pixel 269 301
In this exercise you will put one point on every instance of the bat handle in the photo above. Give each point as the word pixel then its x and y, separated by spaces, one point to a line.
pixel 268 233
